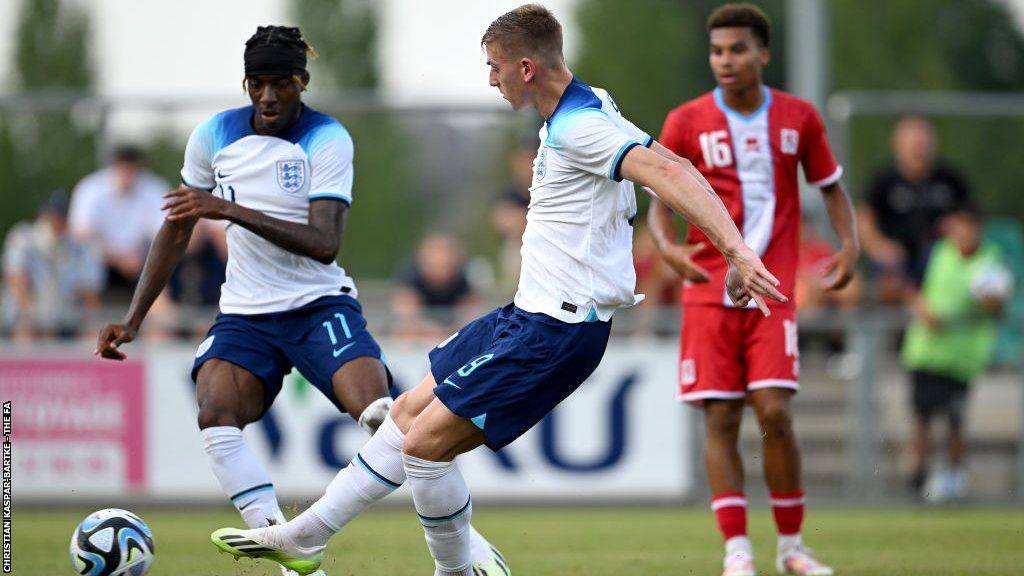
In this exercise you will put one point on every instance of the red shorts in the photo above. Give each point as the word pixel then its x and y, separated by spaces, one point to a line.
pixel 726 352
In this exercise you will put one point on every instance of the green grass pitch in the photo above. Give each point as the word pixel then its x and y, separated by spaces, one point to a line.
pixel 584 541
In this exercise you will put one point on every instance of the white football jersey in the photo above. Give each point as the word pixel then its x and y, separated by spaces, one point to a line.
pixel 277 175
pixel 578 244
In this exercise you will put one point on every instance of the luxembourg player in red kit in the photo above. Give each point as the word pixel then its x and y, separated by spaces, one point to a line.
pixel 747 140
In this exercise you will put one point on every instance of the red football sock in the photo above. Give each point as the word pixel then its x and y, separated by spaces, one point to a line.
pixel 730 510
pixel 788 509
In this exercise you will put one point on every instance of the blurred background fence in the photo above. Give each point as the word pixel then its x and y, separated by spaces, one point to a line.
pixel 622 440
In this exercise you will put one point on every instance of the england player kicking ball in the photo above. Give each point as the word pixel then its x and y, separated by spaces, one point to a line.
pixel 498 376
pixel 280 174
pixel 749 140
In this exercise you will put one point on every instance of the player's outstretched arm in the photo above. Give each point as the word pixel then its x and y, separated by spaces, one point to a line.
pixel 679 190
pixel 320 239
pixel 690 169
pixel 164 256
pixel 841 267
pixel 662 227
pixel 679 256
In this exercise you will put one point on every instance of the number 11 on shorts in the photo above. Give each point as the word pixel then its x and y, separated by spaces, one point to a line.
pixel 328 325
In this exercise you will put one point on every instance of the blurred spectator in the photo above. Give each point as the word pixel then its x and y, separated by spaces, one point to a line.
pixel 117 211
pixel 434 294
pixel 195 284
pixel 198 278
pixel 658 282
pixel 815 254
pixel 904 203
pixel 950 341
pixel 52 281
pixel 508 216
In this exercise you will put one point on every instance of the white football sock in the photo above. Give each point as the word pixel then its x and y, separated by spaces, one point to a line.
pixel 375 472
pixel 739 545
pixel 789 541
pixel 242 476
pixel 374 414
pixel 444 507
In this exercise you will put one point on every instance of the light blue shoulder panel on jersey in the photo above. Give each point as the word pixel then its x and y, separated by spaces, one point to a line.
pixel 313 129
pixel 312 132
pixel 578 98
pixel 221 130
pixel 227 128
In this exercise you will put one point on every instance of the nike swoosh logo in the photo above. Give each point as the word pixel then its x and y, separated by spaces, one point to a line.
pixel 450 383
pixel 339 351
pixel 221 175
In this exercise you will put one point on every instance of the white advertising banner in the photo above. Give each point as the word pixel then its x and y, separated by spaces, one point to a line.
pixel 620 437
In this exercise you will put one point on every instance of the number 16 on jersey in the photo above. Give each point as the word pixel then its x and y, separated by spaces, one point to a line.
pixel 715 148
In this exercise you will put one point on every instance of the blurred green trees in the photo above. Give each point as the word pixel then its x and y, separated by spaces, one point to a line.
pixel 381 229
pixel 653 56
pixel 43 151
pixel 936 45
pixel 344 33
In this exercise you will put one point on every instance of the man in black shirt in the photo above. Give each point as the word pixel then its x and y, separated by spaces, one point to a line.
pixel 898 223
pixel 433 296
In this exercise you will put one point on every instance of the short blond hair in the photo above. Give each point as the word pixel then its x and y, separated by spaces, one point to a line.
pixel 530 30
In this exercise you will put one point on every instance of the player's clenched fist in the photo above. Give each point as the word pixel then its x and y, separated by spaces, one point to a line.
pixel 748 279
pixel 112 336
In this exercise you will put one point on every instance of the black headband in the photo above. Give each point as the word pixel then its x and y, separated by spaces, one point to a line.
pixel 269 60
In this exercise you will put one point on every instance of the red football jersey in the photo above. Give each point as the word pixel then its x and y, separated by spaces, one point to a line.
pixel 751 162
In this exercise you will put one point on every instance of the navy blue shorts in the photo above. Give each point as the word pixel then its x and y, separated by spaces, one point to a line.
pixel 507 370
pixel 317 338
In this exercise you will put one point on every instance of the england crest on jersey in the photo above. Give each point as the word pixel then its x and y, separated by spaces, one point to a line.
pixel 291 175
pixel 540 166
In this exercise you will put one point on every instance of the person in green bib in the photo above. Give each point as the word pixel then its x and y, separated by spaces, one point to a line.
pixel 951 339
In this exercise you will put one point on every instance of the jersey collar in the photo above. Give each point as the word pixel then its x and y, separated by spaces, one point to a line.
pixel 577 95
pixel 720 102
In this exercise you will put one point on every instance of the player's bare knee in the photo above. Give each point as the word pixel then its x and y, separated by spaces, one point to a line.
pixel 211 416
pixel 402 413
pixel 723 417
pixel 359 383
pixel 775 419
pixel 432 440
pixel 420 445
pixel 410 405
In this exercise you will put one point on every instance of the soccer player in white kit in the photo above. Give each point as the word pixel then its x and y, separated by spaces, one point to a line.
pixel 498 376
pixel 280 174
